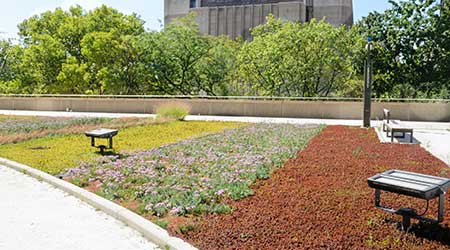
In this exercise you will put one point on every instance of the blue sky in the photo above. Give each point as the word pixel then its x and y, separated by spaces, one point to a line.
pixel 12 12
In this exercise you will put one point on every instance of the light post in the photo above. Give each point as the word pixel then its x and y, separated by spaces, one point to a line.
pixel 367 85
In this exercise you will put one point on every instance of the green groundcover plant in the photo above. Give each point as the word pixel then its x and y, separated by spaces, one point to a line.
pixel 26 125
pixel 56 153
pixel 194 176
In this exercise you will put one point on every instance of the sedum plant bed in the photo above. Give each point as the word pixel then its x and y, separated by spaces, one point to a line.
pixel 195 176
pixel 57 153
pixel 14 129
pixel 13 125
pixel 321 200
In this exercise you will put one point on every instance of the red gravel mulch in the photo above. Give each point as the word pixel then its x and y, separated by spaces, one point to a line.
pixel 321 200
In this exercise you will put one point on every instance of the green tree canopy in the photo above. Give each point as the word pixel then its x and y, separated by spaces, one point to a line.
pixel 78 52
pixel 183 61
pixel 412 53
pixel 295 59
pixel 106 52
pixel 10 57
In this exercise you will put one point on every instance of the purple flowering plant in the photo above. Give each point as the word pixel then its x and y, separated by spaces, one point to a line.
pixel 27 125
pixel 195 176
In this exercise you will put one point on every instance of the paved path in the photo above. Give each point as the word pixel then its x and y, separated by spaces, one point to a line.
pixel 435 141
pixel 36 216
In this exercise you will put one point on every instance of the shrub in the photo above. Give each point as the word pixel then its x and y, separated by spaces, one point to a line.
pixel 174 110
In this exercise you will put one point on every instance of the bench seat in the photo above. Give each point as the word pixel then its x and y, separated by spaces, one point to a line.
pixel 395 126
pixel 103 133
pixel 411 184
pixel 399 127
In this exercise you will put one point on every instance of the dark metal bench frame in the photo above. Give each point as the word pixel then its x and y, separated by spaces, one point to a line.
pixel 389 126
pixel 407 213
pixel 108 136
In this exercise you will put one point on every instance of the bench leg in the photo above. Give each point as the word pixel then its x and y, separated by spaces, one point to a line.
pixel 92 141
pixel 441 208
pixel 392 136
pixel 406 222
pixel 110 142
pixel 412 137
pixel 377 197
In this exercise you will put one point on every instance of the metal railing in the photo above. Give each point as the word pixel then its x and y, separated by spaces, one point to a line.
pixel 271 98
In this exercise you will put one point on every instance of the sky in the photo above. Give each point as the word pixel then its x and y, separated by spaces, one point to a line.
pixel 13 12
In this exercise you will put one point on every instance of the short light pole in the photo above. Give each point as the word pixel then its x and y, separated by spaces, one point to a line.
pixel 368 85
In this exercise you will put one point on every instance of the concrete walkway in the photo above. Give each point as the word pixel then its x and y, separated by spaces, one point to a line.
pixel 36 216
pixel 435 141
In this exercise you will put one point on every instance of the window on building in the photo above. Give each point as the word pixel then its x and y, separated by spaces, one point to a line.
pixel 309 10
pixel 193 4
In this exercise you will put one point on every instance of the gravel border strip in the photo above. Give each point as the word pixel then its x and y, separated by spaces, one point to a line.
pixel 149 230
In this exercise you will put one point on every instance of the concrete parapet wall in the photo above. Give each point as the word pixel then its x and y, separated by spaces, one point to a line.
pixel 408 111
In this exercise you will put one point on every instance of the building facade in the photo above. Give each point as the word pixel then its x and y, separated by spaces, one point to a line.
pixel 235 18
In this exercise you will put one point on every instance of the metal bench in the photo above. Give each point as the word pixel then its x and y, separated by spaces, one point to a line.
pixel 426 187
pixel 395 126
pixel 102 133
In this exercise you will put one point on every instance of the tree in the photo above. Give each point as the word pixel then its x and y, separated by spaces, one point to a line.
pixel 79 52
pixel 10 56
pixel 295 59
pixel 5 60
pixel 182 61
pixel 173 55
pixel 114 64
pixel 216 70
pixel 411 53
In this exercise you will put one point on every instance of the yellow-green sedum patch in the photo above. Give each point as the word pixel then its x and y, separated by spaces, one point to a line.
pixel 56 153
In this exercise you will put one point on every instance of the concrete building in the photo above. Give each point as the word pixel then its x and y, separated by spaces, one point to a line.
pixel 235 18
